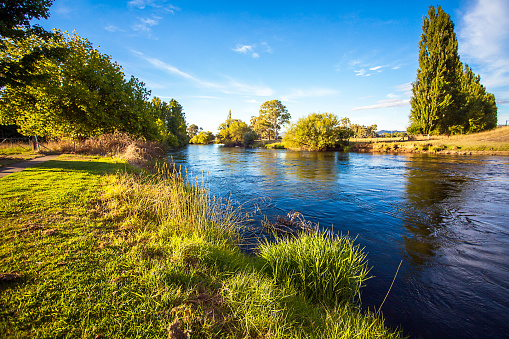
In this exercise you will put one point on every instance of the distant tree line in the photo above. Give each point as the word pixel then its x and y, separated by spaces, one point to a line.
pixel 448 97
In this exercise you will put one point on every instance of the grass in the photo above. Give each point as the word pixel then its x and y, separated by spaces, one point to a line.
pixel 494 141
pixel 100 249
pixel 11 153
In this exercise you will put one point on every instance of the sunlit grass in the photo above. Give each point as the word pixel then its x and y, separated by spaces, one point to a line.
pixel 105 251
pixel 496 140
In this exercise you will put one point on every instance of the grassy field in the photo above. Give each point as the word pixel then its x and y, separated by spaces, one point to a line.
pixel 92 248
pixel 491 142
pixel 15 152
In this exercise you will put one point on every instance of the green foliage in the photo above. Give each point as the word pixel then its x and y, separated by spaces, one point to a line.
pixel 171 122
pixel 193 130
pixel 318 132
pixel 478 107
pixel 85 95
pixel 15 17
pixel 235 132
pixel 447 98
pixel 273 115
pixel 361 131
pixel 326 268
pixel 203 138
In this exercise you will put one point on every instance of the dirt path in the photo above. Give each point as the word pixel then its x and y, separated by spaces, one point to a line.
pixel 20 166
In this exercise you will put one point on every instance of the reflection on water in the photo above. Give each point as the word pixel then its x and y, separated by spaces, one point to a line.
pixel 444 216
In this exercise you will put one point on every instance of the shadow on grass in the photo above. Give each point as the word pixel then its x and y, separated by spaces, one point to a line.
pixel 92 166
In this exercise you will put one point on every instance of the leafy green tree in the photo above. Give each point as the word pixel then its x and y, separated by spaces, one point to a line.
pixel 447 97
pixel 261 126
pixel 318 132
pixel 435 98
pixel 203 138
pixel 235 132
pixel 193 130
pixel 479 107
pixel 83 95
pixel 171 121
pixel 15 17
pixel 274 114
pixel 361 131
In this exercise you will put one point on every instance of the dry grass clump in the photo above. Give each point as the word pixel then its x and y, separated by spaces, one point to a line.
pixel 122 145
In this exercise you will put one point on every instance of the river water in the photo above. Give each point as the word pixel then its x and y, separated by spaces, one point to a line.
pixel 446 218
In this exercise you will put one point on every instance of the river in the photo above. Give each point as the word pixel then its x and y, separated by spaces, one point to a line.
pixel 446 218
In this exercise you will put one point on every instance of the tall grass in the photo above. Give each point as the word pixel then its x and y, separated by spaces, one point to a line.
pixel 328 269
pixel 154 256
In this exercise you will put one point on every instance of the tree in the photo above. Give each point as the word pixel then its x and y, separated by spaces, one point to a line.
pixel 235 132
pixel 193 130
pixel 15 25
pixel 261 126
pixel 274 114
pixel 172 121
pixel 479 107
pixel 318 132
pixel 435 98
pixel 83 95
pixel 447 97
pixel 361 131
pixel 202 138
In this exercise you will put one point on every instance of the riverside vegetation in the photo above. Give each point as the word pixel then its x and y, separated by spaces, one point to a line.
pixel 93 247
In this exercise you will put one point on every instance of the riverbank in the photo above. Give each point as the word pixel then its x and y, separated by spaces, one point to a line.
pixel 495 142
pixel 93 247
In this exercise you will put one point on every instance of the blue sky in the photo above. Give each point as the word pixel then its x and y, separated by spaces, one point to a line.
pixel 355 59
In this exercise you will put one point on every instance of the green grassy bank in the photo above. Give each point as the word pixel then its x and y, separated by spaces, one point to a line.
pixel 92 248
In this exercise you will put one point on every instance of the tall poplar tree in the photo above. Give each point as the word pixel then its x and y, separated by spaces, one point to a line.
pixel 436 91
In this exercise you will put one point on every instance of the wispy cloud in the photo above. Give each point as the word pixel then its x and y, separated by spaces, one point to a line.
pixel 144 24
pixel 113 28
pixel 484 40
pixel 384 104
pixel 362 72
pixel 161 65
pixel 236 87
pixel 142 4
pixel 253 50
pixel 231 86
pixel 404 87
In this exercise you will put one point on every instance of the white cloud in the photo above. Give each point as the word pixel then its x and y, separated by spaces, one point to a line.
pixel 392 96
pixel 252 101
pixel 384 104
pixel 254 50
pixel 376 68
pixel 404 87
pixel 362 73
pixel 113 28
pixel 144 24
pixel 141 4
pixel 484 40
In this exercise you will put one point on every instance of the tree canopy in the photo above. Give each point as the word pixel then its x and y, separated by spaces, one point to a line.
pixel 318 132
pixel 273 115
pixel 203 138
pixel 445 91
pixel 15 17
pixel 235 132
pixel 84 94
